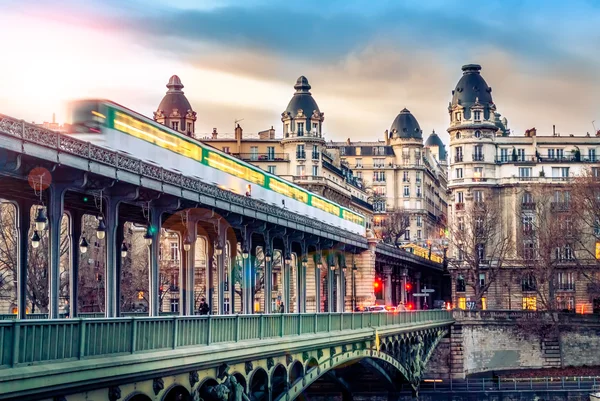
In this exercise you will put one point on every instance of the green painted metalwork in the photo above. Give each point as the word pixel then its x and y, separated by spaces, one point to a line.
pixel 34 341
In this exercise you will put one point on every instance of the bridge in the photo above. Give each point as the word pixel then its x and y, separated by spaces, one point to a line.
pixel 241 347
pixel 265 357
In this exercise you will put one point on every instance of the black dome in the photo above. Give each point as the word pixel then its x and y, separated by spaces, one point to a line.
pixel 470 88
pixel 174 99
pixel 406 125
pixel 302 99
pixel 435 140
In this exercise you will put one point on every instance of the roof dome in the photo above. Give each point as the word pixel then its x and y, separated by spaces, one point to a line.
pixel 472 88
pixel 406 125
pixel 302 99
pixel 435 140
pixel 174 99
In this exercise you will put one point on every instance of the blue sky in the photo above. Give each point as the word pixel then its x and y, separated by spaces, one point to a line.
pixel 365 60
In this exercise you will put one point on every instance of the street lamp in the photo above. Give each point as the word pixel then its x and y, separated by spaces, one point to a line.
pixel 83 245
pixel 304 262
pixel 245 253
pixel 40 219
pixel 148 236
pixel 288 259
pixel 332 266
pixel 218 249
pixel 187 245
pixel 319 265
pixel 101 229
pixel 123 250
pixel 344 269
pixel 268 257
pixel 35 239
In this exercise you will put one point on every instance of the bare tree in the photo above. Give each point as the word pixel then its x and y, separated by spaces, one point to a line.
pixel 482 244
pixel 394 227
pixel 37 261
pixel 549 242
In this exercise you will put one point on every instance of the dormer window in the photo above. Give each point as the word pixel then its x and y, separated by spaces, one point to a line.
pixel 458 135
pixel 457 116
pixel 477 115
pixel 300 129
pixel 175 125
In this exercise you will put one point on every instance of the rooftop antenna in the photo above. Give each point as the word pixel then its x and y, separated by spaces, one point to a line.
pixel 235 123
pixel 595 130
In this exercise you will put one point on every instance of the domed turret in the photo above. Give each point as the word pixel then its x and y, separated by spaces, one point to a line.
pixel 434 141
pixel 302 116
pixel 174 110
pixel 472 92
pixel 405 126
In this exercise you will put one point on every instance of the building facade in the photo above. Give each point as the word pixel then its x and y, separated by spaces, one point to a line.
pixel 511 180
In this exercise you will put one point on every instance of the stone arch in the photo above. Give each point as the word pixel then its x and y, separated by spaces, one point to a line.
pixel 138 397
pixel 176 393
pixel 258 387
pixel 279 382
pixel 205 386
pixel 241 379
pixel 311 364
pixel 383 348
pixel 296 372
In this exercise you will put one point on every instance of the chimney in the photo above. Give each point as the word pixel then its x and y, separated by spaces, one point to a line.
pixel 267 134
pixel 214 133
pixel 53 118
pixel 272 133
pixel 553 130
pixel 348 141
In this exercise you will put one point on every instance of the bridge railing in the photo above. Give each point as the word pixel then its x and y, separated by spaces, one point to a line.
pixel 34 341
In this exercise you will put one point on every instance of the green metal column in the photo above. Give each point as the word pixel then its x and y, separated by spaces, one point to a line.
pixel 55 212
pixel 154 230
pixel 220 269
pixel 75 217
pixel 23 220
pixel 113 258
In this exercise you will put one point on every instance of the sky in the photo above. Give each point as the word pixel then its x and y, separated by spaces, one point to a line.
pixel 365 60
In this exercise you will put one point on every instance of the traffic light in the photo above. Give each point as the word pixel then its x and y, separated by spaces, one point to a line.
pixel 378 288
pixel 408 287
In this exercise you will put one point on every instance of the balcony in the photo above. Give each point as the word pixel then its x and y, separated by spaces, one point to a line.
pixel 263 157
pixel 559 206
pixel 478 157
pixel 565 287
pixel 460 206
pixel 543 159
pixel 458 159
pixel 316 155
pixel 300 155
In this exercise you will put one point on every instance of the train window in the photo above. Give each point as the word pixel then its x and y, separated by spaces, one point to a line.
pixel 86 118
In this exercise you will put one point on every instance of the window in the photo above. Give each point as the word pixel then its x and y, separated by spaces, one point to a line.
pixel 460 224
pixel 300 154
pixel 592 155
pixel 315 128
pixel 406 204
pixel 300 129
pixel 560 153
pixel 457 116
pixel 378 162
pixel 175 281
pixel 460 284
pixel 528 283
pixel 379 176
pixel 380 191
pixel 405 176
pixel 226 306
pixel 359 175
pixel 174 304
pixel 524 172
pixel 271 152
pixel 565 281
pixel 272 169
pixel 417 204
pixel 565 302
pixel 462 303
pixel 460 197
pixel 478 153
pixel 458 154
pixel 419 221
pixel 226 149
pixel 477 117
pixel 418 157
pixel 315 152
pixel 418 174
pixel 527 198
pixel 481 280
pixel 419 234
pixel 174 247
pixel 481 253
pixel 459 172
pixel 503 155
pixel 521 155
pixel 560 172
pixel 596 172
pixel 300 171
pixel 358 150
pixel 458 135
pixel 530 302
pixel 379 206
pixel 477 172
pixel 407 235
pixel 254 153
pixel 419 192
pixel 478 196
pixel 406 191
pixel 527 221
pixel 315 170
pixel 189 128
pixel 358 163
pixel 175 125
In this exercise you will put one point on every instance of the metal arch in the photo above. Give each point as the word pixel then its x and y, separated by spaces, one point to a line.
pixel 253 373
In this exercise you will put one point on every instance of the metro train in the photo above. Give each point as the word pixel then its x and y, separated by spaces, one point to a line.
pixel 107 124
